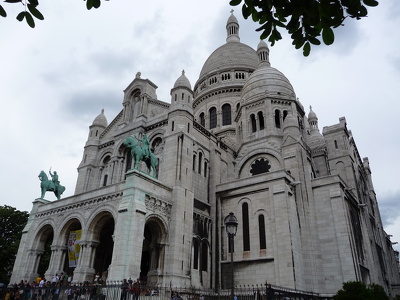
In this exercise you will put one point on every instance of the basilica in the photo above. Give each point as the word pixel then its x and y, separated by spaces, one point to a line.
pixel 237 141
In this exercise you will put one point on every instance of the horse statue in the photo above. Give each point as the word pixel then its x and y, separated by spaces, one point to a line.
pixel 50 185
pixel 142 153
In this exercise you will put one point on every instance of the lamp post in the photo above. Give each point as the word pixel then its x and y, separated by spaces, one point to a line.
pixel 231 224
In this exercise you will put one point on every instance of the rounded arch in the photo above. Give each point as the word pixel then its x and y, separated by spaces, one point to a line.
pixel 135 92
pixel 70 224
pixel 153 249
pixel 98 220
pixel 100 234
pixel 273 157
pixel 42 245
pixel 43 234
pixel 158 223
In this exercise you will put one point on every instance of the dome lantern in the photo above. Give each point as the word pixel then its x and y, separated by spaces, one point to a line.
pixel 232 29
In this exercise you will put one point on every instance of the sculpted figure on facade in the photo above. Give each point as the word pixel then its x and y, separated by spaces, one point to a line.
pixel 142 153
pixel 52 185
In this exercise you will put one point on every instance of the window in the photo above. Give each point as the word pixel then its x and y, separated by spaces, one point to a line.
pixel 246 231
pixel 202 120
pixel 285 113
pixel 253 123
pixel 226 114
pixel 195 254
pixel 261 232
pixel 105 180
pixel 194 162
pixel 213 117
pixel 204 255
pixel 200 161
pixel 277 118
pixel 173 125
pixel 336 144
pixel 205 169
pixel 261 120
pixel 260 166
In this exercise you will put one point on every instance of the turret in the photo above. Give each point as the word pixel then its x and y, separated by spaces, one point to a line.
pixel 99 124
pixel 182 94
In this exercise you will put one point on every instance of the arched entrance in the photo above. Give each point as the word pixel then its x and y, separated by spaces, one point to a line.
pixel 43 247
pixel 105 248
pixel 71 232
pixel 152 262
pixel 100 235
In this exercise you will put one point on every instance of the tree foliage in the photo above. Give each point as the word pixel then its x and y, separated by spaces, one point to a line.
pixel 305 20
pixel 12 221
pixel 30 10
pixel 354 290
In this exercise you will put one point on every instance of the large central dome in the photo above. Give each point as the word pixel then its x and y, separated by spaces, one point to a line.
pixel 232 55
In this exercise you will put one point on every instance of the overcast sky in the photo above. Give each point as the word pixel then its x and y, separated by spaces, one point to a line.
pixel 56 78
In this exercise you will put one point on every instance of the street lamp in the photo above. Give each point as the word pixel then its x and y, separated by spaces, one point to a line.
pixel 231 225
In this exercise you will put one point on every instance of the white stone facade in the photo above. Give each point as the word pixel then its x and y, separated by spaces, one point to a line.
pixel 239 142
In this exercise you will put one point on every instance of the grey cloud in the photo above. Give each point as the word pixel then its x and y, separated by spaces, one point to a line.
pixel 85 105
pixel 389 206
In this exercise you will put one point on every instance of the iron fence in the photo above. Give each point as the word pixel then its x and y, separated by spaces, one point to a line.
pixel 115 291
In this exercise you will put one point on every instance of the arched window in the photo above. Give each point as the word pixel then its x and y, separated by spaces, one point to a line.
pixel 202 120
pixel 246 228
pixel 277 118
pixel 253 123
pixel 226 114
pixel 213 117
pixel 284 114
pixel 261 120
pixel 173 126
pixel 261 232
pixel 194 162
pixel 195 254
pixel 105 180
pixel 204 255
pixel 200 161
pixel 205 169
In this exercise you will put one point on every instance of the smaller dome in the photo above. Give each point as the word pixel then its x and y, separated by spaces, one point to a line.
pixel 262 46
pixel 290 121
pixel 312 116
pixel 183 81
pixel 100 120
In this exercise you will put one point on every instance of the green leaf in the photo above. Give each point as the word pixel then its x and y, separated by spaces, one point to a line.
pixel 306 49
pixel 328 36
pixel 21 16
pixel 235 2
pixel 34 2
pixel 29 19
pixel 89 4
pixel 246 11
pixel 96 3
pixel 2 12
pixel 370 2
pixel 37 14
pixel 313 40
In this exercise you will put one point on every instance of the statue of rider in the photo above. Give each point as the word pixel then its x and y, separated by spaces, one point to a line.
pixel 54 178
pixel 145 146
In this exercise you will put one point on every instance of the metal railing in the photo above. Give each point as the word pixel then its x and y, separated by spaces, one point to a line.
pixel 115 291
